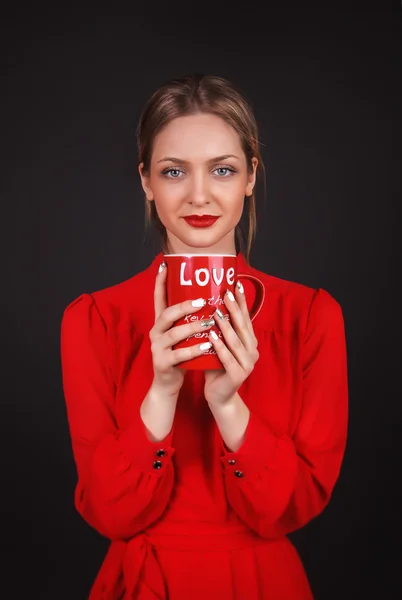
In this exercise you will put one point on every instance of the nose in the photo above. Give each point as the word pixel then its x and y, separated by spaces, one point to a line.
pixel 199 192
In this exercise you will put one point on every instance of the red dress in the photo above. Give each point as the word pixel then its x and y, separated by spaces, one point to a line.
pixel 187 518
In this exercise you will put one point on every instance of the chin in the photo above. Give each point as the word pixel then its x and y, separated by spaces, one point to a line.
pixel 199 243
pixel 200 238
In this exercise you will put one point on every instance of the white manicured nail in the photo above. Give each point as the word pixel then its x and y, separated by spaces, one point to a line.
pixel 162 266
pixel 213 334
pixel 205 346
pixel 230 296
pixel 199 302
pixel 240 287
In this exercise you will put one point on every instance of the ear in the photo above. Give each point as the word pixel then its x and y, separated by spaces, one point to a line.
pixel 251 177
pixel 145 182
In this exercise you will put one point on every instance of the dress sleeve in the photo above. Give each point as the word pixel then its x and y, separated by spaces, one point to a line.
pixel 124 479
pixel 278 484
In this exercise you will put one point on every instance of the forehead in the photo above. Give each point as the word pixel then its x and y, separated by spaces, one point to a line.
pixel 197 137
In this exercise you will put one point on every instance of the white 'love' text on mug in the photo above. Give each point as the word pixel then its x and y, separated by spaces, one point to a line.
pixel 203 275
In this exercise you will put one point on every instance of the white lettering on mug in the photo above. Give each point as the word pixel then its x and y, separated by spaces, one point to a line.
pixel 182 280
pixel 218 281
pixel 203 275
pixel 197 276
pixel 218 300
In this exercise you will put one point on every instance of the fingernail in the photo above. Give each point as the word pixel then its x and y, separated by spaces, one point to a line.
pixel 205 346
pixel 230 295
pixel 213 334
pixel 240 287
pixel 199 302
pixel 220 313
pixel 161 267
pixel 207 322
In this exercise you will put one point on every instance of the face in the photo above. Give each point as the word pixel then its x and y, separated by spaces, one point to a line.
pixel 198 167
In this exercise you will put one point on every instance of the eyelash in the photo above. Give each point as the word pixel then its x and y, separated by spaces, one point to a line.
pixel 166 171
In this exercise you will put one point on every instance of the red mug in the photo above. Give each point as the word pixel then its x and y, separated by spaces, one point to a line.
pixel 191 276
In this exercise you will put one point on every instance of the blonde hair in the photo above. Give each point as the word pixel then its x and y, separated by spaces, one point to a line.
pixel 192 94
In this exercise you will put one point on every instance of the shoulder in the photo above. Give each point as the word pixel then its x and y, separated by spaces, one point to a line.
pixel 290 305
pixel 121 303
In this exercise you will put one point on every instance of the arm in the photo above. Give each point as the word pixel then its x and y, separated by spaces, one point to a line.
pixel 232 419
pixel 285 482
pixel 119 490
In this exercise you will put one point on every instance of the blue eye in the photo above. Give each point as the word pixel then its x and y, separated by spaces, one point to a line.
pixel 225 169
pixel 170 171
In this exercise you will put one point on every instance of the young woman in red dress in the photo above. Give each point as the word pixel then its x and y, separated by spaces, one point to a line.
pixel 197 477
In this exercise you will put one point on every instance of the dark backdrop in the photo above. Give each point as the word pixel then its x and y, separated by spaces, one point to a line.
pixel 326 90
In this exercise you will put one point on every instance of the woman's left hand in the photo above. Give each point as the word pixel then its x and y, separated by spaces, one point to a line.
pixel 238 354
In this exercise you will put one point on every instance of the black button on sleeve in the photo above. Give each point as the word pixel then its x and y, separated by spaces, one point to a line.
pixel 160 453
pixel 157 464
pixel 238 474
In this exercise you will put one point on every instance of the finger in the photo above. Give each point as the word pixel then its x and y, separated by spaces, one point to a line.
pixel 229 362
pixel 160 298
pixel 182 354
pixel 183 309
pixel 233 342
pixel 238 321
pixel 242 302
pixel 196 329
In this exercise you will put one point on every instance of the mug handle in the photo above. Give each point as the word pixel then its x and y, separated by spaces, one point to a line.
pixel 259 295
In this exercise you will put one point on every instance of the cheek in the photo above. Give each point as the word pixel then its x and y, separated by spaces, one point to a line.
pixel 238 211
pixel 166 193
pixel 167 197
pixel 232 190
pixel 234 202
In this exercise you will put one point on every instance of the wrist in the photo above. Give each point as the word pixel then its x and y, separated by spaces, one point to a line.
pixel 157 412
pixel 232 420
pixel 159 391
pixel 218 404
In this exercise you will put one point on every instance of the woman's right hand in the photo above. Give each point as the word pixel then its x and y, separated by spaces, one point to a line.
pixel 168 378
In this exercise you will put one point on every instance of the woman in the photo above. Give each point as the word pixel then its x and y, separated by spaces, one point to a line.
pixel 196 477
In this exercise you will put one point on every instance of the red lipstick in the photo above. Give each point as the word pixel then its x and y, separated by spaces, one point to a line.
pixel 201 220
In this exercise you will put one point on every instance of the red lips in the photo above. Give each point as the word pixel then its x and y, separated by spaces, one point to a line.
pixel 201 220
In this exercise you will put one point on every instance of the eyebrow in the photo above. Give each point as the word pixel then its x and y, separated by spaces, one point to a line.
pixel 181 161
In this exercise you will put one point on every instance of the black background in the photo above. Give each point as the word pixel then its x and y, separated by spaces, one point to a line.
pixel 326 90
